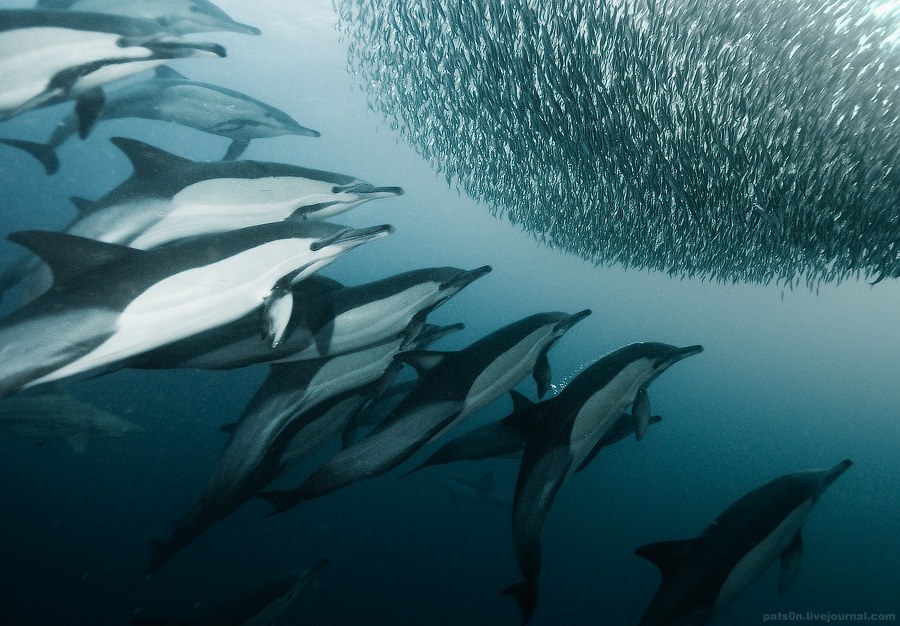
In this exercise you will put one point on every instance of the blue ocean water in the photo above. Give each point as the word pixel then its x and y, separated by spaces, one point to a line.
pixel 788 380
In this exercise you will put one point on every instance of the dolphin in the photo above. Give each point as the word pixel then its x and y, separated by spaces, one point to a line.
pixel 507 437
pixel 566 429
pixel 341 320
pixel 59 416
pixel 298 408
pixel 109 302
pixel 260 606
pixel 481 490
pixel 48 57
pixel 168 198
pixel 170 97
pixel 451 386
pixel 179 17
pixel 703 574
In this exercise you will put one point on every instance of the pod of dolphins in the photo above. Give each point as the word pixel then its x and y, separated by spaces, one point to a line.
pixel 736 140
pixel 216 265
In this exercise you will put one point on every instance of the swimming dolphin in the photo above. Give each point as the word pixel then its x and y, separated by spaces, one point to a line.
pixel 481 490
pixel 179 17
pixel 59 416
pixel 48 57
pixel 702 574
pixel 109 302
pixel 168 198
pixel 260 606
pixel 507 437
pixel 341 320
pixel 451 386
pixel 170 97
pixel 566 429
pixel 298 408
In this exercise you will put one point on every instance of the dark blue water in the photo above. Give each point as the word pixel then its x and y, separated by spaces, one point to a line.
pixel 788 381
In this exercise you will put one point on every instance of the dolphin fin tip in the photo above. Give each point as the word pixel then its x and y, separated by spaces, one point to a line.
pixel 526 596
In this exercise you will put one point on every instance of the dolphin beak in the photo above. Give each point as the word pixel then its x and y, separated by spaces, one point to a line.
pixel 570 320
pixel 352 237
pixel 680 353
pixel 385 192
pixel 833 474
pixel 464 279
pixel 237 27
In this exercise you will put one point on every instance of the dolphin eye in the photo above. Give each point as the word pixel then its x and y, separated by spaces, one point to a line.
pixel 335 189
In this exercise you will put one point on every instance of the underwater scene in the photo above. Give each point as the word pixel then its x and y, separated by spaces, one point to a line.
pixel 437 312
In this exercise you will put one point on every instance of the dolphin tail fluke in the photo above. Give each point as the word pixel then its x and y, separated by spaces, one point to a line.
pixel 45 153
pixel 236 149
pixel 525 594
pixel 282 499
pixel 160 551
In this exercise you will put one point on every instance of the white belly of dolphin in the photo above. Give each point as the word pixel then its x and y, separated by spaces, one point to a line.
pixel 193 301
pixel 376 320
pixel 506 370
pixel 31 57
pixel 757 560
pixel 604 407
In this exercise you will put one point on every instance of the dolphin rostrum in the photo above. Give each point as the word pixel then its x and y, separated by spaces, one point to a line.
pixel 109 303
pixel 567 428
pixel 702 574
pixel 451 386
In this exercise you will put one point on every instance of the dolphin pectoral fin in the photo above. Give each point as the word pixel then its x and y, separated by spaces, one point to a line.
pixel 44 153
pixel 640 409
pixel 277 309
pixel 164 71
pixel 236 149
pixel 790 563
pixel 525 594
pixel 542 374
pixel 229 428
pixel 88 108
pixel 667 555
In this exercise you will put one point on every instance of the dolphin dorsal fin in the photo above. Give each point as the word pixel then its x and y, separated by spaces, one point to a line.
pixel 147 160
pixel 70 257
pixel 83 205
pixel 520 402
pixel 668 556
pixel 422 360
pixel 164 71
